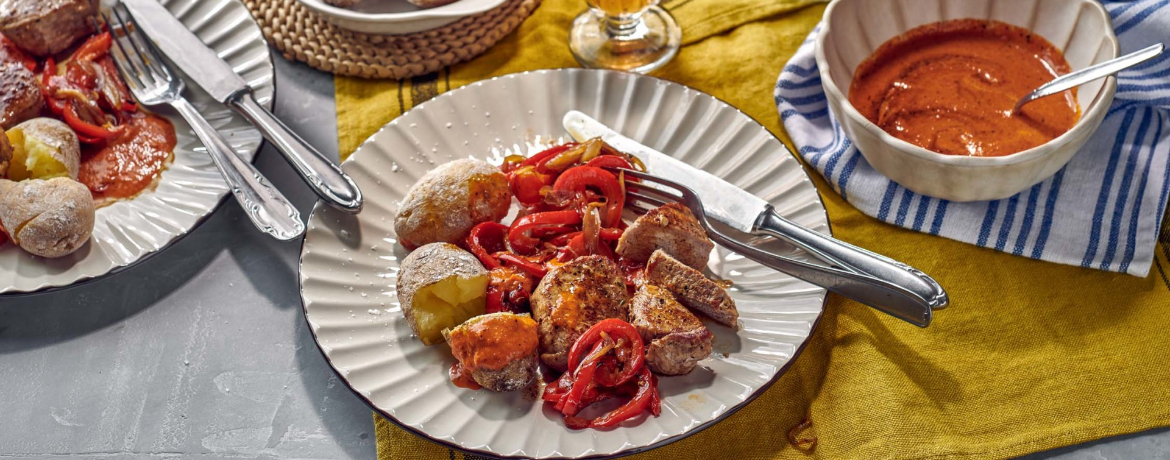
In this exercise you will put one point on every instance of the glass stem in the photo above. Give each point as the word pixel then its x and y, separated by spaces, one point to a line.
pixel 622 26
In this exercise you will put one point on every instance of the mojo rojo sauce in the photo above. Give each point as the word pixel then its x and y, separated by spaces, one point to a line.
pixel 490 343
pixel 950 86
pixel 124 167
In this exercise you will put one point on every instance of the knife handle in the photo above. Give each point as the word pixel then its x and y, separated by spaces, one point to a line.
pixel 268 209
pixel 845 256
pixel 324 177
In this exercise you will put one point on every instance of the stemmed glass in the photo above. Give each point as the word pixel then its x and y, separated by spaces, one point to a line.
pixel 631 35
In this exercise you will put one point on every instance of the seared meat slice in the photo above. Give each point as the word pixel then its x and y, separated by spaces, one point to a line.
pixel 44 27
pixel 691 288
pixel 572 298
pixel 671 228
pixel 675 338
pixel 20 98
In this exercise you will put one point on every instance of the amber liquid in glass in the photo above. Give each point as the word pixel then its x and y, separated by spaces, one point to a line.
pixel 621 7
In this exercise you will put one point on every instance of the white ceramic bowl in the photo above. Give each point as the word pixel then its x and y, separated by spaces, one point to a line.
pixel 397 17
pixel 853 29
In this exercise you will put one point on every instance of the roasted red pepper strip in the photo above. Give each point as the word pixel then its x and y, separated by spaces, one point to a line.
pixel 609 161
pixel 583 379
pixel 485 239
pixel 576 180
pixel 547 154
pixel 16 53
pixel 93 48
pixel 611 233
pixel 524 243
pixel 531 268
pixel 526 184
pixel 86 129
pixel 642 400
pixel 617 330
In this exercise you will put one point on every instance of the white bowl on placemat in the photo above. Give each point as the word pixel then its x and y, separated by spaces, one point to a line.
pixel 853 29
pixel 397 17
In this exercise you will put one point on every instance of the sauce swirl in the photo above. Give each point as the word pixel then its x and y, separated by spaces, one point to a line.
pixel 950 87
pixel 124 167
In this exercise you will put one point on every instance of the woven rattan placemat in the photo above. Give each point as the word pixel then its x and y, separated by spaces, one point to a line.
pixel 303 36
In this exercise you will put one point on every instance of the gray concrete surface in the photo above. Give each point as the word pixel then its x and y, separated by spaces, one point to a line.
pixel 202 352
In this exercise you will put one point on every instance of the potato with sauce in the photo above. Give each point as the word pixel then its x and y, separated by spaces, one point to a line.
pixel 498 351
pixel 449 200
pixel 440 286
pixel 43 148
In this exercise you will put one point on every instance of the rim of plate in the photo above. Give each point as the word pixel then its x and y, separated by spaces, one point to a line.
pixel 438 12
pixel 633 450
pixel 86 280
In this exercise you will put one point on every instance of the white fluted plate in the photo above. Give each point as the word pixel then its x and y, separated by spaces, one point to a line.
pixel 189 189
pixel 349 263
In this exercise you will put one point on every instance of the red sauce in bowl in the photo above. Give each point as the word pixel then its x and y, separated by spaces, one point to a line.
pixel 950 86
pixel 129 164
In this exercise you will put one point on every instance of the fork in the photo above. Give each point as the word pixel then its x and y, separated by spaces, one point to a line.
pixel 153 82
pixel 890 298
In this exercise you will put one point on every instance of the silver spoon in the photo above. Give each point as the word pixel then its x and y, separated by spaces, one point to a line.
pixel 1088 74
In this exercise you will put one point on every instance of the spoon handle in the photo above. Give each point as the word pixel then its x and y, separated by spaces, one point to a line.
pixel 1093 72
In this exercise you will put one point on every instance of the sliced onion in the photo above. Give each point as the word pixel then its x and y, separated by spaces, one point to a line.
pixel 591 228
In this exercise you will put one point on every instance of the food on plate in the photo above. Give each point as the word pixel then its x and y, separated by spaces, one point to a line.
pixel 45 27
pixel 950 87
pixel 43 148
pixel 20 98
pixel 672 228
pixel 418 3
pixel 570 260
pixel 451 199
pixel 48 218
pixel 607 361
pixel 675 338
pixel 343 3
pixel 5 155
pixel 430 3
pixel 691 288
pixel 440 286
pixel 572 298
pixel 496 351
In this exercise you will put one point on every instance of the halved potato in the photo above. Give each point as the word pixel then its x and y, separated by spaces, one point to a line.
pixel 43 148
pixel 440 286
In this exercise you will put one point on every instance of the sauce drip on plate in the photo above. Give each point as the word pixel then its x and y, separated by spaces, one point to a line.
pixel 950 87
pixel 129 164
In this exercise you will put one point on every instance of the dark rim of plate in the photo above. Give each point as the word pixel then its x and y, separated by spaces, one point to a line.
pixel 633 450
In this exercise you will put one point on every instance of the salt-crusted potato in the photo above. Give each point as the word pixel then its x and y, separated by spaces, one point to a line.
pixel 499 350
pixel 49 218
pixel 440 286
pixel 43 148
pixel 5 155
pixel 449 200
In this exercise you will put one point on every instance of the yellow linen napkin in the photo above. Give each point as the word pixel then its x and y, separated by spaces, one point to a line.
pixel 1030 355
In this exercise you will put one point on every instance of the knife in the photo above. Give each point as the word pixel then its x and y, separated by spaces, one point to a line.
pixel 888 285
pixel 205 68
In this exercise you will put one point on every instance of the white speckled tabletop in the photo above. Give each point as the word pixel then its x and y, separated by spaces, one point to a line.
pixel 202 351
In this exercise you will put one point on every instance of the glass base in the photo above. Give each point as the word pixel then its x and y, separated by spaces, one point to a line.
pixel 636 44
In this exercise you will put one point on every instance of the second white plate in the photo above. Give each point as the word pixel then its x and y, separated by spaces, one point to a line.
pixel 349 263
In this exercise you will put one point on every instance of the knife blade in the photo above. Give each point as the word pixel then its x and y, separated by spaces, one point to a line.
pixel 186 50
pixel 723 202
pixel 206 69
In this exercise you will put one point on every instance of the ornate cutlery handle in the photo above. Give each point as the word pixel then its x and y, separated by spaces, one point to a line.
pixel 324 177
pixel 267 207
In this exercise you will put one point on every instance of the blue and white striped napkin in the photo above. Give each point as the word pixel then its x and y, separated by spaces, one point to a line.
pixel 1102 210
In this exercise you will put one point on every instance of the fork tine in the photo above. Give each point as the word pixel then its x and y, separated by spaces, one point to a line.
pixel 649 193
pixel 122 59
pixel 135 43
pixel 147 48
